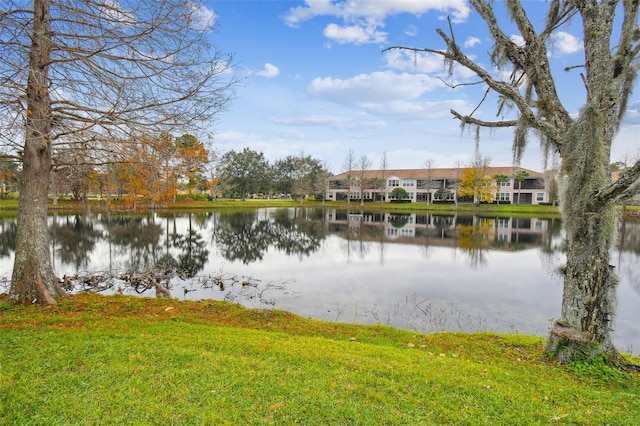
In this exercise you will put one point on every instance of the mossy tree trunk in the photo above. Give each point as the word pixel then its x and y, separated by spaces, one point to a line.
pixel 589 294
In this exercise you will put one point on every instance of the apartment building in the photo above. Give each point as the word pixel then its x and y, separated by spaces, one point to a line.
pixel 443 230
pixel 435 185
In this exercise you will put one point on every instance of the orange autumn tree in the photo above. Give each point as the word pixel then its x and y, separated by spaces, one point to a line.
pixel 149 172
pixel 8 175
pixel 212 186
pixel 192 159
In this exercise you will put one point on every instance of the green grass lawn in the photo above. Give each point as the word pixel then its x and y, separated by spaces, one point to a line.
pixel 541 211
pixel 511 210
pixel 75 206
pixel 95 360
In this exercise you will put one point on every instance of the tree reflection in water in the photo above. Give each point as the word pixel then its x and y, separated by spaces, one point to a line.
pixel 348 265
pixel 246 237
pixel 73 239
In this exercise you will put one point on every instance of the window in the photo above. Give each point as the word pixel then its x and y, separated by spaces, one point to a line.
pixel 540 196
pixel 508 183
pixel 504 196
pixel 408 182
pixel 503 223
pixel 394 182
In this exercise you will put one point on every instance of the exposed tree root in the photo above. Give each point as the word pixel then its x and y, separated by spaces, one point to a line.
pixel 43 293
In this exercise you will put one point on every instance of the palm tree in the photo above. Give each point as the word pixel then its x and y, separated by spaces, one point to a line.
pixel 520 175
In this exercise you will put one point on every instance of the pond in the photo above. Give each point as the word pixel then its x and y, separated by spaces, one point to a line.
pixel 415 271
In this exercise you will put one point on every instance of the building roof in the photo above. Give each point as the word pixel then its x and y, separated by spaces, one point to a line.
pixel 432 173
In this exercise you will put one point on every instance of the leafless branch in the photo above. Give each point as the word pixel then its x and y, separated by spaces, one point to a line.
pixel 453 86
pixel 467 119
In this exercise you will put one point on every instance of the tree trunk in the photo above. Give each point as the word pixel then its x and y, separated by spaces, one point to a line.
pixel 33 279
pixel 589 295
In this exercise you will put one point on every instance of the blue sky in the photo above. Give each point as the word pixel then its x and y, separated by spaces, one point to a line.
pixel 315 80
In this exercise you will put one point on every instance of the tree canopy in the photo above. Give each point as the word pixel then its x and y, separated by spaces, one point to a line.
pixel 244 172
pixel 299 175
pixel 475 183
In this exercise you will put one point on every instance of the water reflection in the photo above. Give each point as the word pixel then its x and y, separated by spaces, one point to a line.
pixel 418 271
pixel 246 236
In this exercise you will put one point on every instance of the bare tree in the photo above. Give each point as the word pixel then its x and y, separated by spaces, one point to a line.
pixel 348 166
pixel 428 165
pixel 365 164
pixel 384 165
pixel 79 73
pixel 583 141
pixel 459 166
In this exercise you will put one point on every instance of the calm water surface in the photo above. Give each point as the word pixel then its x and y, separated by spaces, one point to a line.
pixel 422 272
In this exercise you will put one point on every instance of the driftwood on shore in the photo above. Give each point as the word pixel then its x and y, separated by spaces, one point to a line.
pixel 142 282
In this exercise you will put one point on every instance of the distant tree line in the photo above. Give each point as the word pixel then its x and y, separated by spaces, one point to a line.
pixel 247 172
pixel 158 170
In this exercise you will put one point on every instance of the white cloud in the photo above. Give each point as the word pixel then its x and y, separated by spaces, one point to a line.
pixel 311 120
pixel 311 9
pixel 379 9
pixel 517 39
pixel 386 94
pixel 413 110
pixel 355 34
pixel 114 12
pixel 334 121
pixel 374 87
pixel 411 31
pixel 369 15
pixel 424 62
pixel 505 75
pixel 471 42
pixel 202 17
pixel 406 60
pixel 566 42
pixel 563 41
pixel 269 71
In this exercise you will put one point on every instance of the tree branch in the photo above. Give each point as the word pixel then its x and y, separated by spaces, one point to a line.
pixel 620 188
pixel 453 86
pixel 466 119
pixel 501 87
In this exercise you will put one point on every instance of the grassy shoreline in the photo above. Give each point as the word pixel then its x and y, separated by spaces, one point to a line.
pixel 75 206
pixel 123 360
pixel 98 360
pixel 9 207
